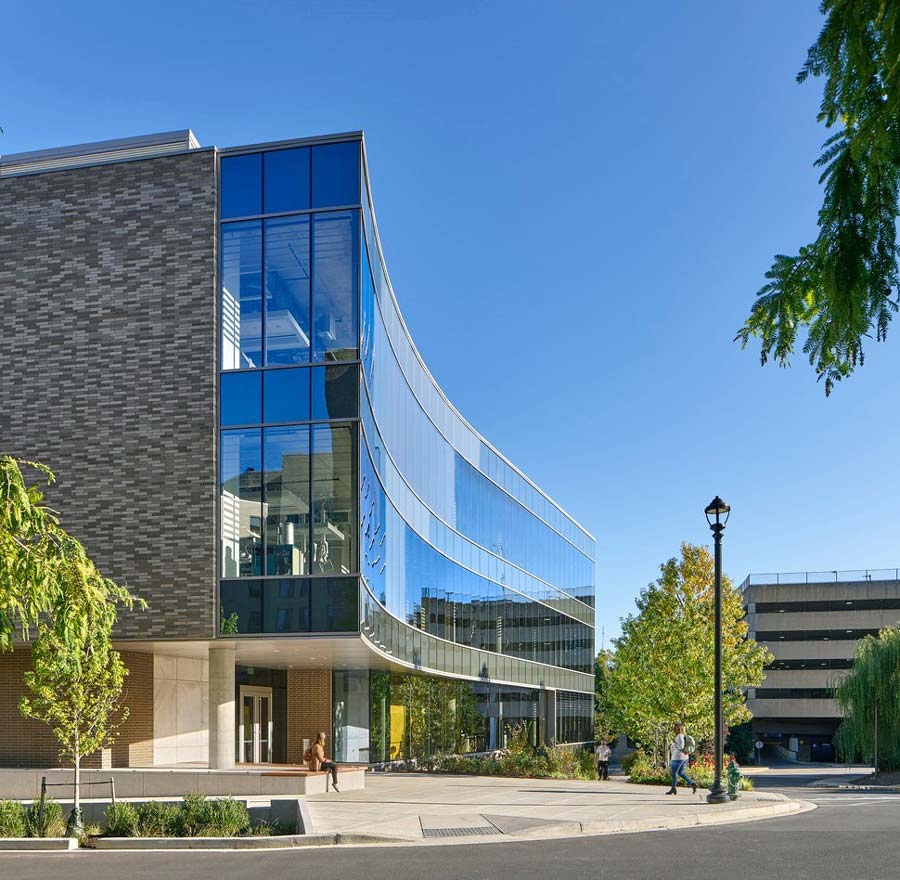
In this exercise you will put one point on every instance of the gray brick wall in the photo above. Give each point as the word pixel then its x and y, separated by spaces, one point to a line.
pixel 107 370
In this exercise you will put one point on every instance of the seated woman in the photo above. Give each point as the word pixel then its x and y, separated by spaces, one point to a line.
pixel 317 761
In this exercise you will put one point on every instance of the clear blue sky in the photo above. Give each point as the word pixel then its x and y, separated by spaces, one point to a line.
pixel 578 202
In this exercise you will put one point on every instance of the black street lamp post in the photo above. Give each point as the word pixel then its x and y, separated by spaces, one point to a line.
pixel 717 515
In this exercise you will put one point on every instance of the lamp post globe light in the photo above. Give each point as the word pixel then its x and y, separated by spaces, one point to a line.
pixel 717 515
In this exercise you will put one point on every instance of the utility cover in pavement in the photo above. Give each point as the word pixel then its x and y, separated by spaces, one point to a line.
pixel 459 832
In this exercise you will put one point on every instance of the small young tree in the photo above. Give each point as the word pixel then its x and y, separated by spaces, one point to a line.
pixel 76 677
pixel 77 690
pixel 663 668
pixel 870 699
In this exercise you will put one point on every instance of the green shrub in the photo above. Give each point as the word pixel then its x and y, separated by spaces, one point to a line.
pixel 156 819
pixel 224 818
pixel 51 825
pixel 562 762
pixel 703 772
pixel 191 815
pixel 587 765
pixel 627 761
pixel 640 768
pixel 12 819
pixel 121 820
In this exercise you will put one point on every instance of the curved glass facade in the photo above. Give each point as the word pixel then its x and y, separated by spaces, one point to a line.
pixel 479 558
pixel 342 462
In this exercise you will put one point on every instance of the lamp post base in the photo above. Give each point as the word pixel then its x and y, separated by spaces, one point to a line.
pixel 717 794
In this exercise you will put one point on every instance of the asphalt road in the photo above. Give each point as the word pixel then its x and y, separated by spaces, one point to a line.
pixel 851 836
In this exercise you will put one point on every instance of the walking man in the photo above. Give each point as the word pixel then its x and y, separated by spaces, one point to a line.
pixel 680 750
pixel 603 753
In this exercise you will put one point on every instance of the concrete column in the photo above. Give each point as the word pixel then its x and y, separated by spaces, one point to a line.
pixel 221 707
pixel 548 711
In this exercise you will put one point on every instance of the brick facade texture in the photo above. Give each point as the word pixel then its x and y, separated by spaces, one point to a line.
pixel 108 370
pixel 308 710
pixel 25 742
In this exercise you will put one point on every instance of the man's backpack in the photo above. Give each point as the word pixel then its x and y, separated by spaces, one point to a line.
pixel 690 744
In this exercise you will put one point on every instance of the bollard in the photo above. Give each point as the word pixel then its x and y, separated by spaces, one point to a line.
pixel 41 807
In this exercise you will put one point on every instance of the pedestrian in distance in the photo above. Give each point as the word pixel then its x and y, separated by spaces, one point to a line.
pixel 680 750
pixel 603 753
pixel 316 761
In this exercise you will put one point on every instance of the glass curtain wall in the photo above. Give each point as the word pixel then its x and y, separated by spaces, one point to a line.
pixel 417 716
pixel 289 389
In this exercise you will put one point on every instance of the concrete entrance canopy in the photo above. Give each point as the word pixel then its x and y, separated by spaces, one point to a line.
pixel 337 652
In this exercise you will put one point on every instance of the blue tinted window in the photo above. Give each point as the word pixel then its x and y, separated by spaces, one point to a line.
pixel 334 493
pixel 240 399
pixel 287 290
pixel 241 295
pixel 335 255
pixel 287 395
pixel 286 464
pixel 242 186
pixel 335 174
pixel 335 392
pixel 286 180
pixel 241 500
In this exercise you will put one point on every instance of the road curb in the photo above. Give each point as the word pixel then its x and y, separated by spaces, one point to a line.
pixel 37 844
pixel 700 819
pixel 707 817
pixel 281 841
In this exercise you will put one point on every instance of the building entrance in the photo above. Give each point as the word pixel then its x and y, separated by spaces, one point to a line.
pixel 255 733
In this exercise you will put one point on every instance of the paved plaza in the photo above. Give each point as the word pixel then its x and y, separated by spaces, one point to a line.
pixel 443 808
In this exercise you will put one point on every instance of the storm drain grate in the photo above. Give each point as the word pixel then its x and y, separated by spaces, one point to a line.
pixel 458 832
pixel 776 800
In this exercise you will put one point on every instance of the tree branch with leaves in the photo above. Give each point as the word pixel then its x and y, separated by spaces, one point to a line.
pixel 843 287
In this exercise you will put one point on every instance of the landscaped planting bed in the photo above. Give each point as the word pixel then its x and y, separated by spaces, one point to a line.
pixel 20 820
pixel 195 816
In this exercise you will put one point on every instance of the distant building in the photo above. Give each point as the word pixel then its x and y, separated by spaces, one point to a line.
pixel 812 622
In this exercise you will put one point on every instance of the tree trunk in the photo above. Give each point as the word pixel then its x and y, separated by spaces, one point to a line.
pixel 77 786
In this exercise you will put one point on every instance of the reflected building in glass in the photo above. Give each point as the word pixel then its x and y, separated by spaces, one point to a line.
pixel 378 570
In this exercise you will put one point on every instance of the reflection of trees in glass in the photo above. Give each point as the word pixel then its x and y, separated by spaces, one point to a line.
pixel 379 715
pixel 431 716
pixel 228 625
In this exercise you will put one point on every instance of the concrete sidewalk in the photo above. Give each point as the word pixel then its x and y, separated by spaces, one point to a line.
pixel 472 809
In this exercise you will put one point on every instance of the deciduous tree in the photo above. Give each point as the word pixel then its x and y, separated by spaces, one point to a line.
pixel 51 589
pixel 870 699
pixel 603 711
pixel 663 668
pixel 76 676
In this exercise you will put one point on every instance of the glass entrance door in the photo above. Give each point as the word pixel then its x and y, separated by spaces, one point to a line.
pixel 255 734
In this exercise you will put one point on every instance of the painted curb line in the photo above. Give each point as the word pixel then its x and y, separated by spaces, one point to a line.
pixel 851 786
